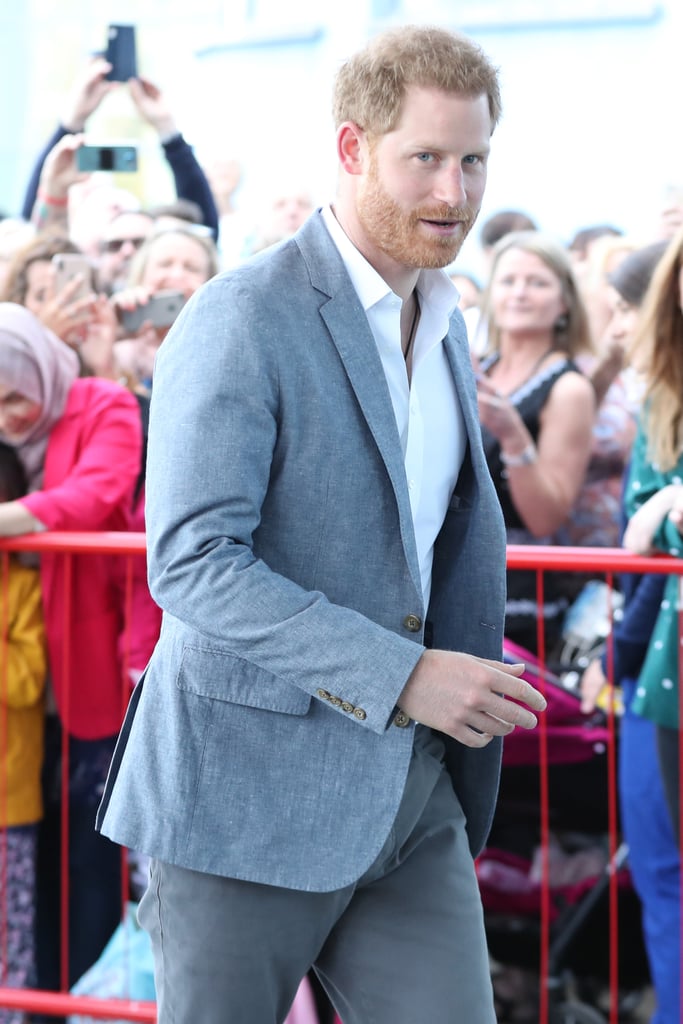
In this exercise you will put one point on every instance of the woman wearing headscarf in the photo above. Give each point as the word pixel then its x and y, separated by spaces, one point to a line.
pixel 79 440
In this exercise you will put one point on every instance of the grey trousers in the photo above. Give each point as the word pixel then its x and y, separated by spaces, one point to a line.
pixel 404 945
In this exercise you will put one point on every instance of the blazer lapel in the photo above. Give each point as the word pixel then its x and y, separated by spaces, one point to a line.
pixel 457 351
pixel 345 319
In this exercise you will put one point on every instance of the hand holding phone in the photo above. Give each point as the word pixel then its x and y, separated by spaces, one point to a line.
pixel 160 311
pixel 68 266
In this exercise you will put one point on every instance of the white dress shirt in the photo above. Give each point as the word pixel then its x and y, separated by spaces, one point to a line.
pixel 427 409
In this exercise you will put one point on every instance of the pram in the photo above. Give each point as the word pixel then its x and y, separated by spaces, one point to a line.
pixel 579 867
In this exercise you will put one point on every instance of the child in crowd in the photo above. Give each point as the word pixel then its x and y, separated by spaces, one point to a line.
pixel 23 666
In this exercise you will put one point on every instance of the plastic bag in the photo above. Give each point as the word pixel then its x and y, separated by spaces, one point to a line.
pixel 124 970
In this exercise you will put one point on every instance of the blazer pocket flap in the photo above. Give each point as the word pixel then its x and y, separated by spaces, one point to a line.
pixel 219 675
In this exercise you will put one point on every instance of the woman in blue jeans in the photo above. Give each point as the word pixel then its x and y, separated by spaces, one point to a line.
pixel 646 823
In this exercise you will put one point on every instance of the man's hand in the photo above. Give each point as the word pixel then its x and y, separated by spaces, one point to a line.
pixel 465 697
pixel 151 105
pixel 59 171
pixel 65 315
pixel 88 91
pixel 593 682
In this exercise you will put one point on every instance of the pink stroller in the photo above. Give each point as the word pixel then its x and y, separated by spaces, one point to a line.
pixel 578 863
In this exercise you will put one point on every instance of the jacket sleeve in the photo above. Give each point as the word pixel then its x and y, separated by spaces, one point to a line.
pixel 32 187
pixel 190 180
pixel 101 480
pixel 23 658
pixel 212 460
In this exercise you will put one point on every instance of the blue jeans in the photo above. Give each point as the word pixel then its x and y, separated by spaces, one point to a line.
pixel 653 857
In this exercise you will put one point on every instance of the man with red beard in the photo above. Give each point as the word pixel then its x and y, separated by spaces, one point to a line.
pixel 312 757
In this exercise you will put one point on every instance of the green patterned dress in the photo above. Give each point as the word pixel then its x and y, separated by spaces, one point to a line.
pixel 657 694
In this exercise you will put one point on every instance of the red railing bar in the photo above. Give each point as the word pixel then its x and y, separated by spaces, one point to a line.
pixel 105 543
pixel 519 556
pixel 612 820
pixel 544 799
pixel 65 784
pixel 522 556
pixel 61 1004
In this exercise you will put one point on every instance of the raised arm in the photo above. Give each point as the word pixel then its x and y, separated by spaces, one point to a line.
pixel 190 180
pixel 87 93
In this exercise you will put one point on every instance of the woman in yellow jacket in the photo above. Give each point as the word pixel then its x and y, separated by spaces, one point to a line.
pixel 23 667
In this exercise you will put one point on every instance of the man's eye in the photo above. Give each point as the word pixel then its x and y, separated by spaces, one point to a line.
pixel 425 158
pixel 472 158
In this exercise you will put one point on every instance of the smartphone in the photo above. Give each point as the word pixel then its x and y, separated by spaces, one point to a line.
pixel 69 265
pixel 121 53
pixel 107 158
pixel 160 311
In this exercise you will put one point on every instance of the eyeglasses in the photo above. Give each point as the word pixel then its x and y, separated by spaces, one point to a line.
pixel 117 244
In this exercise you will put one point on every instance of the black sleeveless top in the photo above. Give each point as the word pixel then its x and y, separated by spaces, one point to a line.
pixel 522 608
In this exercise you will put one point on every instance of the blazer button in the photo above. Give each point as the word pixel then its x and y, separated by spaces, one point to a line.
pixel 360 714
pixel 413 623
pixel 348 708
pixel 401 720
pixel 335 702
pixel 323 694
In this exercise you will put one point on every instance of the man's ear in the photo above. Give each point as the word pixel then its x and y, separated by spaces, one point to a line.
pixel 352 147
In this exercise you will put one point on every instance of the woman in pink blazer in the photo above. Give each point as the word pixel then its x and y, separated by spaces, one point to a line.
pixel 79 440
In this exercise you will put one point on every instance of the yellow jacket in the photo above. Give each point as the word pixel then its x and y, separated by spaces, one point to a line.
pixel 23 668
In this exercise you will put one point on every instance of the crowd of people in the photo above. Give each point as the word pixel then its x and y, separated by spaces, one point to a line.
pixel 576 349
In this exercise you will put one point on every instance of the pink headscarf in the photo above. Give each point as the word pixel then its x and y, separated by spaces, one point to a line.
pixel 37 364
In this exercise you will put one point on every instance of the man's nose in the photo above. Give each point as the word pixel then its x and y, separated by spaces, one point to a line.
pixel 450 186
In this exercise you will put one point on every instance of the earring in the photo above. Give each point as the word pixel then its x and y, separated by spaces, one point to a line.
pixel 562 323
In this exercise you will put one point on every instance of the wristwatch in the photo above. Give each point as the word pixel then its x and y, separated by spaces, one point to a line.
pixel 526 457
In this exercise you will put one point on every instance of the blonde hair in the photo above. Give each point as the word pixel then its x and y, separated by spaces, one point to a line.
pixel 371 85
pixel 657 350
pixel 139 261
pixel 572 332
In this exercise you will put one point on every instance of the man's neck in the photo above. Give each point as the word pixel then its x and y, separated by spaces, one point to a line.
pixel 402 280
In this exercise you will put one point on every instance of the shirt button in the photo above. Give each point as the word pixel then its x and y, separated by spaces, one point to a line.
pixel 413 623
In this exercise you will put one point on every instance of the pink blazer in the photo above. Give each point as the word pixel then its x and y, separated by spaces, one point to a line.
pixel 91 465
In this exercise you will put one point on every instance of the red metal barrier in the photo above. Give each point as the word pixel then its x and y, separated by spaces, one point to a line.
pixel 604 563
pixel 598 561
pixel 128 547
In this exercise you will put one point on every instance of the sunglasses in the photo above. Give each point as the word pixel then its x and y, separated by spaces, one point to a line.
pixel 117 244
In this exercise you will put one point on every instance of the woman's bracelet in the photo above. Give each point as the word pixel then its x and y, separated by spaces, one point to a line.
pixel 52 200
pixel 526 457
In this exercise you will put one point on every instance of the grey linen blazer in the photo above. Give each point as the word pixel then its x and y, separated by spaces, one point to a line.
pixel 261 742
